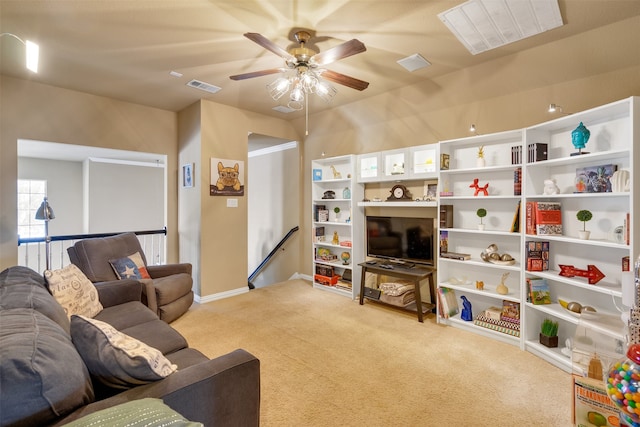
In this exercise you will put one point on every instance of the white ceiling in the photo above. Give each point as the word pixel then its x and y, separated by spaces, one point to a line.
pixel 126 49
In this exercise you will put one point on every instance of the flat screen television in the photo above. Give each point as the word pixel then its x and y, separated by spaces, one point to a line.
pixel 401 239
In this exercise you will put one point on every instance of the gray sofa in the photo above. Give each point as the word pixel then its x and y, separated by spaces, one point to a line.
pixel 44 380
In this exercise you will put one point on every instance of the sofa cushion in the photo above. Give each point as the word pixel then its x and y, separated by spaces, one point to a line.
pixel 130 267
pixel 42 376
pixel 125 315
pixel 21 287
pixel 115 358
pixel 138 413
pixel 75 293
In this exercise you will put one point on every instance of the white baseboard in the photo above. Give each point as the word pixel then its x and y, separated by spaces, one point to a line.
pixel 221 295
pixel 301 276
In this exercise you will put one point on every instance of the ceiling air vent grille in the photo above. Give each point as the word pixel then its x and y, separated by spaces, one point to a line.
pixel 203 86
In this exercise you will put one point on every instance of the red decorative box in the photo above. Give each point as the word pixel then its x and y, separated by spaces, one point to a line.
pixel 326 280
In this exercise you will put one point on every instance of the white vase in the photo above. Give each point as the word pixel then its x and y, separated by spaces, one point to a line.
pixel 584 235
pixel 480 162
pixel 481 227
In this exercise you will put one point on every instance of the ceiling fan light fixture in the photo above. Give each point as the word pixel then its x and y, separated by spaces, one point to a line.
pixel 297 94
pixel 278 87
pixel 325 91
pixel 309 81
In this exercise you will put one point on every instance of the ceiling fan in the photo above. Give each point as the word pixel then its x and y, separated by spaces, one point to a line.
pixel 305 60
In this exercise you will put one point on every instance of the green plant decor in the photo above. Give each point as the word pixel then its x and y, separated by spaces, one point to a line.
pixel 584 216
pixel 481 214
pixel 336 210
pixel 549 328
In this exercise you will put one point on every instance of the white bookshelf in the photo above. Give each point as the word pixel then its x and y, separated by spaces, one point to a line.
pixel 338 175
pixel 615 136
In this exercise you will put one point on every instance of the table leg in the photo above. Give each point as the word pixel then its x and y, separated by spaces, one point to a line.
pixel 418 301
pixel 363 274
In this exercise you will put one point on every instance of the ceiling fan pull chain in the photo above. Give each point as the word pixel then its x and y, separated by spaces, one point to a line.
pixel 306 116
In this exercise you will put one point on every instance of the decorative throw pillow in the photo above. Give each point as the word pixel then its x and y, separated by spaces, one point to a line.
pixel 130 267
pixel 73 291
pixel 137 413
pixel 117 359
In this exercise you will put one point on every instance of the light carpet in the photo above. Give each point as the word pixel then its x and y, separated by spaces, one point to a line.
pixel 327 361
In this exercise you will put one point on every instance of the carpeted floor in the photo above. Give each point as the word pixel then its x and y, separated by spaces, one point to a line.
pixel 327 361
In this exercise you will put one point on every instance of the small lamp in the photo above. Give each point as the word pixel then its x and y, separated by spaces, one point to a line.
pixel 553 108
pixel 45 213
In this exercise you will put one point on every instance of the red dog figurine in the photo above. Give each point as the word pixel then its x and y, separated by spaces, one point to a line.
pixel 478 188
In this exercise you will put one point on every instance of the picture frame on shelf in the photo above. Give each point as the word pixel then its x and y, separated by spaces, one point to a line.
pixel 431 193
pixel 444 162
pixel 595 179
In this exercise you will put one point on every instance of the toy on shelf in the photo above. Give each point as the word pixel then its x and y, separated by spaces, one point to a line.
pixel 479 189
pixel 336 174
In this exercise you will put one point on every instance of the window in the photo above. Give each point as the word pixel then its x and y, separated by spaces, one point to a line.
pixel 31 192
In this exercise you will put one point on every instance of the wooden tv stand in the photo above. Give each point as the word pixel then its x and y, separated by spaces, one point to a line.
pixel 415 274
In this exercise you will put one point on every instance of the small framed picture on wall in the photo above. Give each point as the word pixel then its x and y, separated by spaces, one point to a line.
pixel 187 175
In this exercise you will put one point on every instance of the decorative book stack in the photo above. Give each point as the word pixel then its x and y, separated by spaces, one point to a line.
pixel 537 255
pixel 548 218
pixel 543 218
pixel 505 319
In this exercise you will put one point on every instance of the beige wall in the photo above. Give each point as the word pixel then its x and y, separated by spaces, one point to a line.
pixel 34 111
pixel 219 240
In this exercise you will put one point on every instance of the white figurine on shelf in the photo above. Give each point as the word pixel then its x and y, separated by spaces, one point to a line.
pixel 620 181
pixel 550 187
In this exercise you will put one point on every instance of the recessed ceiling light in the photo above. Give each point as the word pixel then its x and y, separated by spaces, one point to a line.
pixel 482 25
pixel 414 62
pixel 175 74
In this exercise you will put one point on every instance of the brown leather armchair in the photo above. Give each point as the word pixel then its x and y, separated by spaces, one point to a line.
pixel 168 293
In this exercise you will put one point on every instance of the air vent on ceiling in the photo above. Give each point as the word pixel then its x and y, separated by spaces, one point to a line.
pixel 482 25
pixel 203 86
pixel 414 62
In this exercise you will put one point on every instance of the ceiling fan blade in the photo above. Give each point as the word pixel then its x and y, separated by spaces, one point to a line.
pixel 269 45
pixel 344 80
pixel 352 47
pixel 256 74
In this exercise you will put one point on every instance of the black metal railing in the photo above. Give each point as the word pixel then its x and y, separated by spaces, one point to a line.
pixel 32 250
pixel 270 256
